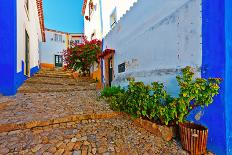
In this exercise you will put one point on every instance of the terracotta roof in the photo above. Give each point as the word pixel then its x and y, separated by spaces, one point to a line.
pixel 84 7
pixel 41 18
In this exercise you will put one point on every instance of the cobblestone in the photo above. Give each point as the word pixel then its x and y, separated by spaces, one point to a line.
pixel 79 125
pixel 106 136
pixel 26 107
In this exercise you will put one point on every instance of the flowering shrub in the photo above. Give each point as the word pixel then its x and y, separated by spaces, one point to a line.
pixel 81 56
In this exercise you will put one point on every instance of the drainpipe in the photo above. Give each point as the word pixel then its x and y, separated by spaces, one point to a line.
pixel 102 62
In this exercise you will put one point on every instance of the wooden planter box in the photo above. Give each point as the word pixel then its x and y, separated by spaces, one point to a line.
pixel 193 138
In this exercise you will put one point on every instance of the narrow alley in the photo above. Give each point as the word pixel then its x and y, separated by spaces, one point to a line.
pixel 53 113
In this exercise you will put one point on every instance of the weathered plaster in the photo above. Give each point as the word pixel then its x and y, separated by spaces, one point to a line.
pixel 166 39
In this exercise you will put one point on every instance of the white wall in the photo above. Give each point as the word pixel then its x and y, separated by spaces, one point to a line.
pixel 157 38
pixel 30 23
pixel 94 25
pixel 50 48
pixel 108 6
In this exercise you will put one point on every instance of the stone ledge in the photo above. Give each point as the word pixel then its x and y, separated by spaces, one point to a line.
pixel 167 133
pixel 72 118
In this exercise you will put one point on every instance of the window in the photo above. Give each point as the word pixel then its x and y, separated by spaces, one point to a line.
pixel 121 68
pixel 77 41
pixel 91 8
pixel 113 19
pixel 27 4
pixel 58 38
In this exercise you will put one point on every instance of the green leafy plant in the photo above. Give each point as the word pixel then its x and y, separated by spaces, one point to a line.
pixel 194 92
pixel 152 102
pixel 111 91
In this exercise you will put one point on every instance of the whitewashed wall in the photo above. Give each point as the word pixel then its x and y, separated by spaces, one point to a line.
pixel 50 48
pixel 157 38
pixel 30 22
pixel 94 25
pixel 108 6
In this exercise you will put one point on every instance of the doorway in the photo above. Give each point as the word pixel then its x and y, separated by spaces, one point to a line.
pixel 58 61
pixel 27 68
pixel 110 62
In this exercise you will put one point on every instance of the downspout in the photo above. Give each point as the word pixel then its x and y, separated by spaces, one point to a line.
pixel 102 62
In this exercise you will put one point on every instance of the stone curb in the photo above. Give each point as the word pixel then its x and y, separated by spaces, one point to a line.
pixel 72 118
pixel 167 133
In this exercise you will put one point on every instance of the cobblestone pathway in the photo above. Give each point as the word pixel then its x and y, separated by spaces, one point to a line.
pixel 53 113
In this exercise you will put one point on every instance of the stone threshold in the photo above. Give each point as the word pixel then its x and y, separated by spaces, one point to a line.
pixel 67 119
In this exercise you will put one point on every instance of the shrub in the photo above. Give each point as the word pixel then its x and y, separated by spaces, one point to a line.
pixel 82 56
pixel 152 101
pixel 194 92
pixel 111 91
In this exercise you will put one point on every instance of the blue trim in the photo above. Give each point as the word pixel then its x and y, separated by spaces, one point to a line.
pixel 8 46
pixel 20 77
pixel 102 63
pixel 34 70
pixel 101 17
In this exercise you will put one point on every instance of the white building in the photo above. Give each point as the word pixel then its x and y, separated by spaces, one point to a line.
pixel 154 40
pixel 101 16
pixel 112 11
pixel 51 51
pixel 91 11
pixel 22 28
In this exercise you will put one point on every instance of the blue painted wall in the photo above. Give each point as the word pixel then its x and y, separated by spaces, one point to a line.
pixel 216 62
pixel 228 96
pixel 8 46
pixel 213 65
pixel 10 80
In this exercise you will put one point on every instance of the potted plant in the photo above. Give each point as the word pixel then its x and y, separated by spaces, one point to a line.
pixel 194 92
pixel 91 5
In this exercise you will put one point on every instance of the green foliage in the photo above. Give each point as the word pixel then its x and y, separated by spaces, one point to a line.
pixel 152 101
pixel 111 91
pixel 194 92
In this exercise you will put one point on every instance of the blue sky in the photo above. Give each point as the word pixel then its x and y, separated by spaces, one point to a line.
pixel 63 15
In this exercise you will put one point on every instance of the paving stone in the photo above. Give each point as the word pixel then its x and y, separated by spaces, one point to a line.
pixel 116 135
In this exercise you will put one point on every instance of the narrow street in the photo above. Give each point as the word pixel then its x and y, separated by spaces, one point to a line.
pixel 53 113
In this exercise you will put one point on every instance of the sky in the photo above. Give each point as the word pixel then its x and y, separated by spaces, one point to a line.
pixel 63 15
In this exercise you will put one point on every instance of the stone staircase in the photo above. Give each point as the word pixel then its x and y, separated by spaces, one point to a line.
pixel 52 97
pixel 56 81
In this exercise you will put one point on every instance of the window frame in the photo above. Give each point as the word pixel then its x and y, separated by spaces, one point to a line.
pixel 113 18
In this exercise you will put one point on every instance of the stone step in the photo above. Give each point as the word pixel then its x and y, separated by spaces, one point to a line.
pixel 41 90
pixel 54 76
pixel 49 83
pixel 67 119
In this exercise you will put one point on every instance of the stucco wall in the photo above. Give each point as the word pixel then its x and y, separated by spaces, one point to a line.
pixel 27 22
pixel 166 39
pixel 50 48
pixel 94 25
